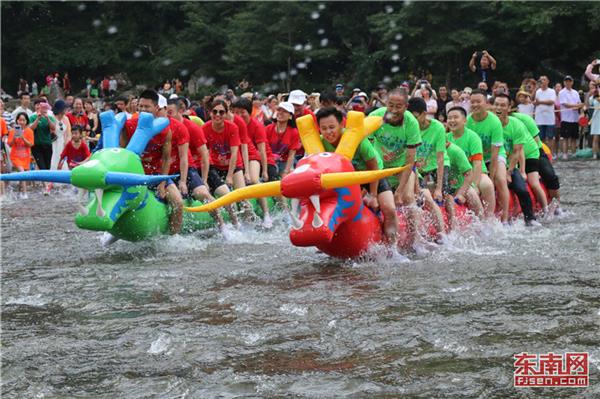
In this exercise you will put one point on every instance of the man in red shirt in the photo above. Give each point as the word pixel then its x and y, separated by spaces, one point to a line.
pixel 156 158
pixel 190 181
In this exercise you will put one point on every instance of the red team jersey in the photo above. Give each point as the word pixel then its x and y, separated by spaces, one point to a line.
pixel 220 143
pixel 179 136
pixel 152 155
pixel 245 138
pixel 257 134
pixel 197 140
pixel 281 144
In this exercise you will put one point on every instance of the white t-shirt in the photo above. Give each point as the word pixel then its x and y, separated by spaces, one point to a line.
pixel 544 114
pixel 526 109
pixel 431 107
pixel 568 97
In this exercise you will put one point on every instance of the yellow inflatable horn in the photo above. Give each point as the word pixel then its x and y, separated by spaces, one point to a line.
pixel 311 140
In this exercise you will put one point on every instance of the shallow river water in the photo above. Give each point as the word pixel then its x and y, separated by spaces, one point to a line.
pixel 199 317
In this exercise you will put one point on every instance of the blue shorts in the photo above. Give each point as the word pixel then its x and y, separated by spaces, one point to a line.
pixel 546 131
pixel 154 186
pixel 193 180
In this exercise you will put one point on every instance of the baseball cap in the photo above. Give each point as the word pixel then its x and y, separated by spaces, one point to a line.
pixel 568 77
pixel 339 86
pixel 59 106
pixel 363 94
pixel 297 97
pixel 173 96
pixel 162 101
pixel 355 90
pixel 468 90
pixel 289 107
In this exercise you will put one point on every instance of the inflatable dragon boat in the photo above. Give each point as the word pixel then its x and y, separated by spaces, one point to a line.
pixel 121 204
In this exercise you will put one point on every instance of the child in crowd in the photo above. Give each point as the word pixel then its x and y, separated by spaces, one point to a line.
pixel 525 106
pixel 20 139
pixel 76 151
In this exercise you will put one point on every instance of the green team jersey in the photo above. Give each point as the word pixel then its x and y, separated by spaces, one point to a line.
pixel 516 133
pixel 41 134
pixel 470 143
pixel 392 141
pixel 459 165
pixel 434 141
pixel 530 124
pixel 365 152
pixel 490 132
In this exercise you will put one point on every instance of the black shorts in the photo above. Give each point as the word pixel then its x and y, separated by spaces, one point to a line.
pixel 532 165
pixel 569 130
pixel 42 153
pixel 193 180
pixel 547 173
pixel 273 173
pixel 382 186
pixel 433 175
pixel 216 177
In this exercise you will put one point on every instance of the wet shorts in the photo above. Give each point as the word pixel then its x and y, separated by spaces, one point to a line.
pixel 382 186
pixel 532 165
pixel 272 172
pixel 569 130
pixel 193 180
pixel 217 177
pixel 423 183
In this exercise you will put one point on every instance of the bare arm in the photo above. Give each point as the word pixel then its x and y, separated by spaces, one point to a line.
pixel 263 156
pixel 515 157
pixel 410 162
pixel 182 150
pixel 372 165
pixel 205 157
pixel 233 160
pixel 468 178
pixel 472 66
pixel 289 162
pixel 476 172
pixel 494 161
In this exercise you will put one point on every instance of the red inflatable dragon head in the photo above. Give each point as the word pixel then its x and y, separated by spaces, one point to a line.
pixel 327 210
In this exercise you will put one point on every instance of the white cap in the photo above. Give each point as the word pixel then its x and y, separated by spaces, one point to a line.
pixel 363 94
pixel 162 101
pixel 297 97
pixel 173 96
pixel 289 107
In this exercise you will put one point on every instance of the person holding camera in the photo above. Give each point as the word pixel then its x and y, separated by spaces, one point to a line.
pixel 21 139
pixel 594 77
pixel 485 67
pixel 43 125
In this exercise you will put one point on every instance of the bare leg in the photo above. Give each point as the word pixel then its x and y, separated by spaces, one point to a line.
pixel 533 179
pixel 201 193
pixel 176 203
pixel 431 207
pixel 238 182
pixel 451 211
pixel 488 196
pixel 221 191
pixel 390 218
pixel 501 186
pixel 474 203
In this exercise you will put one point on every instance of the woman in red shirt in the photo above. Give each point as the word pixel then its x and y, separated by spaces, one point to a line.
pixel 283 138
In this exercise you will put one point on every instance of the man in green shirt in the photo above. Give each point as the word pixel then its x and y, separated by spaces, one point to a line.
pixel 43 126
pixel 546 170
pixel 470 143
pixel 432 163
pixel 397 141
pixel 519 146
pixel 365 158
pixel 460 179
pixel 489 129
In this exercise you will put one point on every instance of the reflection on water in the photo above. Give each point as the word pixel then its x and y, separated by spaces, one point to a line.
pixel 193 316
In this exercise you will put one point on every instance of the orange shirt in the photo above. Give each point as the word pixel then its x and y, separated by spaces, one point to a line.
pixel 20 153
pixel 3 127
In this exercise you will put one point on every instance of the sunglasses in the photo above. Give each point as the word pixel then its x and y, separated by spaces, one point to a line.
pixel 218 112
